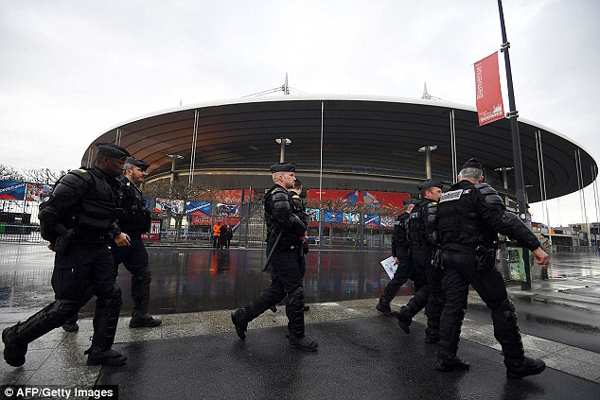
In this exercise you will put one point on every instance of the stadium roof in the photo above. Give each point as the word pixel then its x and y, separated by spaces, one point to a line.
pixel 361 134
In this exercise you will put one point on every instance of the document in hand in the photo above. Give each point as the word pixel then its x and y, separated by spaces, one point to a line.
pixel 388 265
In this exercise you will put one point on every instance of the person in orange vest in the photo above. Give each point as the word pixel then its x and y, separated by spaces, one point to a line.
pixel 216 233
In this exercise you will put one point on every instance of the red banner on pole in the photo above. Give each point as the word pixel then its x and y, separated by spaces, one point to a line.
pixel 487 89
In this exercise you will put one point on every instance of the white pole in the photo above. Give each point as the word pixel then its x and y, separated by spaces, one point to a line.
pixel 321 181
pixel 453 147
pixel 194 141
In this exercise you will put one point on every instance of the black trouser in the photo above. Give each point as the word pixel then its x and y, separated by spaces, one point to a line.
pixel 83 269
pixel 428 292
pixel 403 273
pixel 135 259
pixel 286 281
pixel 460 270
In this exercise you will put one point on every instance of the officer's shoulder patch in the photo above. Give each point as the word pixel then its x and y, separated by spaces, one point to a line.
pixel 295 196
pixel 451 195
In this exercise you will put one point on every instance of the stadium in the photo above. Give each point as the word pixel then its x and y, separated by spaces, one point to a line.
pixel 369 149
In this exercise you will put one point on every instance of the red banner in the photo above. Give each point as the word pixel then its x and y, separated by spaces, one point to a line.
pixel 487 89
pixel 388 199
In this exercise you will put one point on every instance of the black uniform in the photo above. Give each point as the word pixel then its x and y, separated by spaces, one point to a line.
pixel 286 275
pixel 469 218
pixel 422 236
pixel 299 208
pixel 134 220
pixel 79 219
pixel 404 272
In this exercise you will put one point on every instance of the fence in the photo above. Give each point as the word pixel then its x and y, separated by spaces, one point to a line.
pixel 19 221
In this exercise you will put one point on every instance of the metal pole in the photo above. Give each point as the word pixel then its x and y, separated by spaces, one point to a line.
pixel 427 163
pixel 453 147
pixel 282 151
pixel 321 181
pixel 194 141
pixel 516 143
pixel 584 209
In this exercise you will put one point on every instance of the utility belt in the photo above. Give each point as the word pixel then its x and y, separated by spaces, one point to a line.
pixel 486 257
pixel 285 243
pixel 90 238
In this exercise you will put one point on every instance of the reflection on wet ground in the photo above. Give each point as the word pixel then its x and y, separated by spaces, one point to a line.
pixel 191 280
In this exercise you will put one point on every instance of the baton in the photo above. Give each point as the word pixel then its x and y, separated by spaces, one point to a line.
pixel 272 251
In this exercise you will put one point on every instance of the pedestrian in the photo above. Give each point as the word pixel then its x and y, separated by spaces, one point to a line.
pixel 78 221
pixel 223 236
pixel 216 233
pixel 423 240
pixel 402 258
pixel 285 233
pixel 229 235
pixel 470 216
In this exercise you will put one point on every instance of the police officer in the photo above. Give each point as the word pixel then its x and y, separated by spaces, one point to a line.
pixel 79 220
pixel 423 239
pixel 285 233
pixel 134 220
pixel 299 208
pixel 402 258
pixel 470 216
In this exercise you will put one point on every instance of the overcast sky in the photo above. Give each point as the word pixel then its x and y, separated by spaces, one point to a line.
pixel 72 69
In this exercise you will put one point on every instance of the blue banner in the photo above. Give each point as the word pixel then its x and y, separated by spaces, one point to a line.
pixel 12 190
pixel 372 219
pixel 334 217
pixel 197 207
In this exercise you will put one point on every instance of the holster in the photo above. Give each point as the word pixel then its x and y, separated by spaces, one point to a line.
pixel 485 258
pixel 63 242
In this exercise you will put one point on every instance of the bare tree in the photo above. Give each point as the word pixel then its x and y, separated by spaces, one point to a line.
pixel 43 176
pixel 8 173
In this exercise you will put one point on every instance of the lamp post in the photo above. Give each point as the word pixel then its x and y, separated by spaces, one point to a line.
pixel 513 114
pixel 427 150
pixel 174 157
pixel 283 142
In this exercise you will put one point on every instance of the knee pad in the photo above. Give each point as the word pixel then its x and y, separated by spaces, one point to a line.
pixel 115 297
pixel 296 296
pixel 60 311
pixel 144 276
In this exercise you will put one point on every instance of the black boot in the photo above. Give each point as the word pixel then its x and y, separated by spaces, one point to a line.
pixel 240 319
pixel 97 356
pixel 71 324
pixel 384 306
pixel 447 361
pixel 303 343
pixel 404 318
pixel 144 321
pixel 17 337
pixel 14 353
pixel 525 367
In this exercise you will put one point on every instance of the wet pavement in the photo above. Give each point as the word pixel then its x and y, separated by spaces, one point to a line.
pixel 362 355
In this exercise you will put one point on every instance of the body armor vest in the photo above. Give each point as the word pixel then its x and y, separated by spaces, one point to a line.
pixel 273 226
pixel 458 219
pixel 132 216
pixel 96 211
pixel 417 234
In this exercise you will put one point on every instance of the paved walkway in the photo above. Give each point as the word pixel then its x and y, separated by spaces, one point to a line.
pixel 362 355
